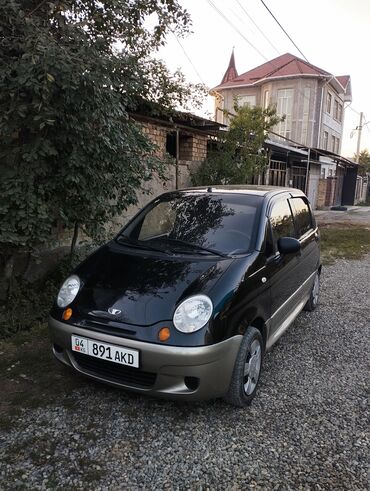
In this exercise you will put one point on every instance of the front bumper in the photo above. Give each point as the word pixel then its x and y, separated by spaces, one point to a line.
pixel 189 373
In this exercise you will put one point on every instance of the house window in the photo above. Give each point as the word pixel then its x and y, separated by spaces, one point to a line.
pixel 323 172
pixel 325 140
pixel 340 112
pixel 333 143
pixel 336 109
pixel 247 100
pixel 266 99
pixel 285 108
pixel 336 150
pixel 328 102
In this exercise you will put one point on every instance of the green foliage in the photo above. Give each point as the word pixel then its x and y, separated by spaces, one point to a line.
pixel 28 304
pixel 364 159
pixel 239 154
pixel 71 73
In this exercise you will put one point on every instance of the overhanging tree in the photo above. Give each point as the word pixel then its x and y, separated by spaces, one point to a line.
pixel 71 72
pixel 238 154
pixel 364 160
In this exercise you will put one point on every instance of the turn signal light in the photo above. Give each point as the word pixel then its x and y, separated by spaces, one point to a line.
pixel 67 314
pixel 164 334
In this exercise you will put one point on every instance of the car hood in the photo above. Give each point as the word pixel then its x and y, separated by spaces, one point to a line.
pixel 142 287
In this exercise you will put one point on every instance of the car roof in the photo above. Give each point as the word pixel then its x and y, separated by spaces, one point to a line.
pixel 244 189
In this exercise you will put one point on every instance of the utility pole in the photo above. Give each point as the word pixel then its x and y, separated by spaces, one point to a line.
pixel 359 128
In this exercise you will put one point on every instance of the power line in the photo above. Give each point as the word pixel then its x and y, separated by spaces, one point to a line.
pixel 319 151
pixel 258 51
pixel 257 26
pixel 282 28
pixel 188 58
pixel 352 109
pixel 262 55
pixel 236 29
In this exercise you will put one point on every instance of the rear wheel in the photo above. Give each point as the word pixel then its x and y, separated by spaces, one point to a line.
pixel 247 369
pixel 313 301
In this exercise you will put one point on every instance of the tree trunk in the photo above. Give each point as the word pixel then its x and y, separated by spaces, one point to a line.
pixel 6 275
pixel 74 240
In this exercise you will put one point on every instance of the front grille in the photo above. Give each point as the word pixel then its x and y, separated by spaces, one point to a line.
pixel 114 371
pixel 113 330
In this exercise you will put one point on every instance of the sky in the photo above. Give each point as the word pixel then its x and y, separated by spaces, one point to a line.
pixel 332 34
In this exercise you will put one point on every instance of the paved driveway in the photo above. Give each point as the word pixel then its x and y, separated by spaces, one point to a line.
pixel 308 429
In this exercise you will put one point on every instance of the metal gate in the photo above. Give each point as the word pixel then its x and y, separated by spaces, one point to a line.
pixel 299 177
pixel 277 173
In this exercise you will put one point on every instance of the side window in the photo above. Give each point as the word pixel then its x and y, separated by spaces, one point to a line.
pixel 302 215
pixel 281 220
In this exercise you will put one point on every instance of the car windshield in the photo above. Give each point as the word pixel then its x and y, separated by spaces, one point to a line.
pixel 196 223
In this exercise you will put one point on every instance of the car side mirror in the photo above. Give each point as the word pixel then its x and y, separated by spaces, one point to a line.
pixel 288 245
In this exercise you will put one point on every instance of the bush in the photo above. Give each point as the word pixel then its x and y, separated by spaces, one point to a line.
pixel 29 304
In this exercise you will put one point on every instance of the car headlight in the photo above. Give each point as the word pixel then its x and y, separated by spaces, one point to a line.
pixel 68 291
pixel 193 313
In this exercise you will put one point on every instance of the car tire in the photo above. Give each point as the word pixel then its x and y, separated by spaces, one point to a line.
pixel 313 301
pixel 247 369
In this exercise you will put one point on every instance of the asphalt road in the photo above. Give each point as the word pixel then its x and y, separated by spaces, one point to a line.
pixel 308 428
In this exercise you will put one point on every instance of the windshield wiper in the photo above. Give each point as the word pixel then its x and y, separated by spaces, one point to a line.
pixel 124 239
pixel 194 246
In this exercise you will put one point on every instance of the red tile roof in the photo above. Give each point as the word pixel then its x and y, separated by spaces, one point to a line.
pixel 343 80
pixel 283 66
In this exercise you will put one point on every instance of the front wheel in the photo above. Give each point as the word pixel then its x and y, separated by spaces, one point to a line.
pixel 313 301
pixel 247 369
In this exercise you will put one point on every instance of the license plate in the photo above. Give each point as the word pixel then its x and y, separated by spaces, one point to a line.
pixel 109 352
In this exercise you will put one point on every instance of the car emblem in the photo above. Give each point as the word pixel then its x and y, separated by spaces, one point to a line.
pixel 114 311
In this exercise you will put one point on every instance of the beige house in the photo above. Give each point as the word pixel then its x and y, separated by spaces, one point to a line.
pixel 311 99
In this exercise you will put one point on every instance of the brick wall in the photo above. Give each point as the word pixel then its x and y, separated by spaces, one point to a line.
pixel 321 193
pixel 199 148
pixel 193 147
pixel 192 151
pixel 331 183
pixel 157 134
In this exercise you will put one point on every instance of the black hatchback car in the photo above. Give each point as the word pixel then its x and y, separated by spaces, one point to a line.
pixel 189 295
